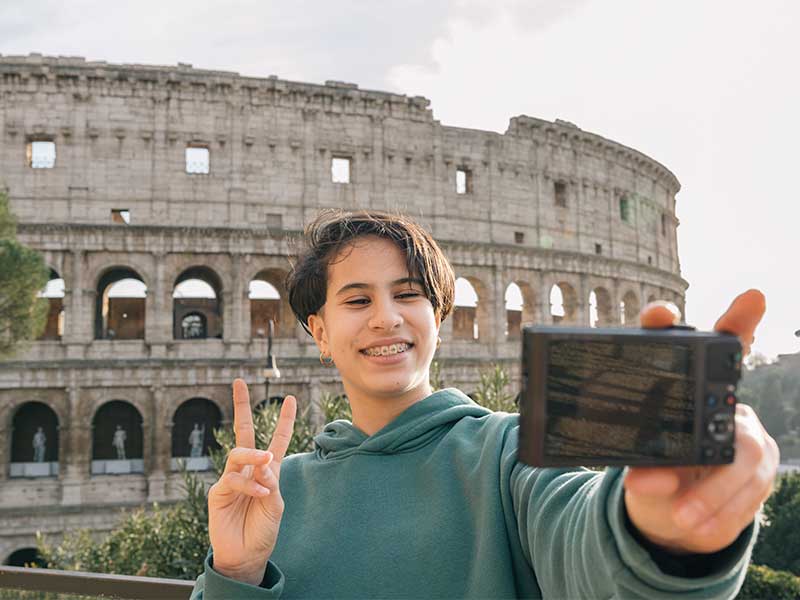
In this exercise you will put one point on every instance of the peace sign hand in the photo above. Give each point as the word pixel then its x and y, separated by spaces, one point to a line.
pixel 245 505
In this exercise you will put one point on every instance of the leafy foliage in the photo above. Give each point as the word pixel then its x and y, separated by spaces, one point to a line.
pixel 773 390
pixel 778 543
pixel 23 274
pixel 762 583
pixel 161 542
pixel 493 390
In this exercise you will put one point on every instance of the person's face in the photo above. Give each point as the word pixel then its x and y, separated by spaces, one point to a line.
pixel 377 324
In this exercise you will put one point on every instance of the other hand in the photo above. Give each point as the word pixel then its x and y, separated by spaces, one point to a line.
pixel 245 506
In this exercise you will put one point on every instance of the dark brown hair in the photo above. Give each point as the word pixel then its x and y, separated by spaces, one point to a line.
pixel 333 230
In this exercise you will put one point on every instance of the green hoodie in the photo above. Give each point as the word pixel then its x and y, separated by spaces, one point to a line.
pixel 435 505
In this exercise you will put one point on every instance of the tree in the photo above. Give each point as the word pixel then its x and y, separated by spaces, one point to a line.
pixel 493 390
pixel 23 274
pixel 778 545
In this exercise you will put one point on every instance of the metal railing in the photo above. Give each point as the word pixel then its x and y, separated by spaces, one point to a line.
pixel 93 584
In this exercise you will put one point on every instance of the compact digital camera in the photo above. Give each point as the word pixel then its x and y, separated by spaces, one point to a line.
pixel 639 397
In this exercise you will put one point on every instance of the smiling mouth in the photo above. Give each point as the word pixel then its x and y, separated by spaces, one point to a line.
pixel 389 350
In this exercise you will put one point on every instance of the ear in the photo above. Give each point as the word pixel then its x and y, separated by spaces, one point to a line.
pixel 317 327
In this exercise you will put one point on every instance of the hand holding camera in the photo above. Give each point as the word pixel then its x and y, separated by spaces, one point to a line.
pixel 704 509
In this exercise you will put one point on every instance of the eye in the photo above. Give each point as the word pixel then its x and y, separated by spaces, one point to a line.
pixel 358 302
pixel 406 295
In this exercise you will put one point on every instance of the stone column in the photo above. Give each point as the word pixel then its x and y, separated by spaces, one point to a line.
pixel 79 309
pixel 158 316
pixel 75 450
pixel 499 308
pixel 546 318
pixel 583 302
pixel 238 298
pixel 158 446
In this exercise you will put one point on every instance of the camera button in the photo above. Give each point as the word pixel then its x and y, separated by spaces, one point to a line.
pixel 727 453
pixel 711 400
pixel 730 400
pixel 708 453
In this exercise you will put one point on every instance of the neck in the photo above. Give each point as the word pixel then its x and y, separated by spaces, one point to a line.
pixel 373 413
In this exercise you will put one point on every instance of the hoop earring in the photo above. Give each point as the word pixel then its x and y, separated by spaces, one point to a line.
pixel 438 342
pixel 325 360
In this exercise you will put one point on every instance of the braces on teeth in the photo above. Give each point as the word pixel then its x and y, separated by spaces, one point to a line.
pixel 387 350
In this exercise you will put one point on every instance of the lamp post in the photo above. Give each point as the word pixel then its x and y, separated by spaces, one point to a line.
pixel 271 370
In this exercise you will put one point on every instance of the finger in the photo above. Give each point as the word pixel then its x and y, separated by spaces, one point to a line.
pixel 242 416
pixel 238 483
pixel 708 496
pixel 266 478
pixel 659 315
pixel 743 316
pixel 238 458
pixel 739 511
pixel 652 481
pixel 283 430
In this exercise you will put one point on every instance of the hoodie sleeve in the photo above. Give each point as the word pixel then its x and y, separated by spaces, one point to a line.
pixel 210 585
pixel 574 533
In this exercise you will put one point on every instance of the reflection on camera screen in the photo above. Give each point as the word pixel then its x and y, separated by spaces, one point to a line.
pixel 620 400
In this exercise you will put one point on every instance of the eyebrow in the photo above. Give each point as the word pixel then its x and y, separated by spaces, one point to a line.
pixel 363 286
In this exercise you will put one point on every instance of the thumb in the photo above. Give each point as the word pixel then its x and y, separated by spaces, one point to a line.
pixel 742 317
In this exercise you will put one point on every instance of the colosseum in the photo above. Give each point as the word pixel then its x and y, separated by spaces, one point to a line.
pixel 166 200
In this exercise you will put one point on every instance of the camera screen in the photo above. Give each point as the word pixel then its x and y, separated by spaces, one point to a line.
pixel 632 400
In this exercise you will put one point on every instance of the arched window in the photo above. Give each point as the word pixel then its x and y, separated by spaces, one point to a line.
pixel 120 311
pixel 197 292
pixel 25 557
pixel 629 310
pixel 265 306
pixel 563 303
pixel 465 311
pixel 54 292
pixel 600 314
pixel 193 433
pixel 514 306
pixel 193 326
pixel 117 439
pixel 34 441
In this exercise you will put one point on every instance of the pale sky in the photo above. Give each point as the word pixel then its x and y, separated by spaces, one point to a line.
pixel 708 88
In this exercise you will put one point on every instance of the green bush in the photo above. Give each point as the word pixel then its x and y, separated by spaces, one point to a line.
pixel 778 545
pixel 763 583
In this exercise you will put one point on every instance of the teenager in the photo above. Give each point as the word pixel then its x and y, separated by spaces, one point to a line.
pixel 422 496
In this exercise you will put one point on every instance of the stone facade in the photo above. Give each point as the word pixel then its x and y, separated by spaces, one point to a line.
pixel 543 204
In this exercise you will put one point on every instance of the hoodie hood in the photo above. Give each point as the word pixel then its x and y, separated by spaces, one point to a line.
pixel 415 427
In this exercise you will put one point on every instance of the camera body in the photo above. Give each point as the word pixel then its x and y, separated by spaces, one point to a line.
pixel 637 397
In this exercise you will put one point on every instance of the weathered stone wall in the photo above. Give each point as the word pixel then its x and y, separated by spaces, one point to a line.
pixel 121 132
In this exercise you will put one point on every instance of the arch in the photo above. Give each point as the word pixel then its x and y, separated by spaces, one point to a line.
pixel 600 312
pixel 54 292
pixel 114 452
pixel 25 557
pixel 563 303
pixel 120 305
pixel 520 308
pixel 34 441
pixel 629 309
pixel 197 291
pixel 465 311
pixel 269 301
pixel 651 298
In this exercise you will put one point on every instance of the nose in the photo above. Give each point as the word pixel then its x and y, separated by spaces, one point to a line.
pixel 385 315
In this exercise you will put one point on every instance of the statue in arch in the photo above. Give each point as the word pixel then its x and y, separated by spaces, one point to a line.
pixel 39 445
pixel 196 440
pixel 119 442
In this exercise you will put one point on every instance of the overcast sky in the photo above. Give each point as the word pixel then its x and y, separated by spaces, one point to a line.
pixel 708 88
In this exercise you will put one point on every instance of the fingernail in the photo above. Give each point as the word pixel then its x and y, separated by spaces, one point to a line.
pixel 689 515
